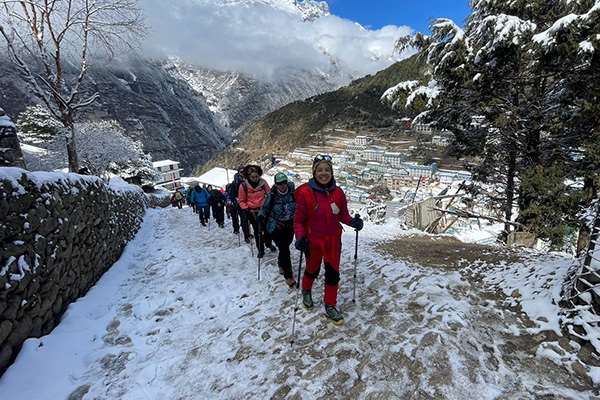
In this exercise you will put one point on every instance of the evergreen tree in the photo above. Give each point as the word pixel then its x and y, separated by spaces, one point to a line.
pixel 36 125
pixel 510 99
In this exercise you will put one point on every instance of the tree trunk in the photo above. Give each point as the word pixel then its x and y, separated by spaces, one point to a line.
pixel 72 151
pixel 510 186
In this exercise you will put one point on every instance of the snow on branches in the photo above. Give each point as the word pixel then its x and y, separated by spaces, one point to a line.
pixel 103 148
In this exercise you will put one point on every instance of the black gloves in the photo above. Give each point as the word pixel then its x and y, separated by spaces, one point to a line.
pixel 302 245
pixel 356 223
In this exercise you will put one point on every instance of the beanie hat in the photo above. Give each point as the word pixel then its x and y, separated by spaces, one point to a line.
pixel 280 177
pixel 322 159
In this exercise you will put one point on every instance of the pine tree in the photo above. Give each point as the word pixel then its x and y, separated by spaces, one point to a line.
pixel 507 97
pixel 36 125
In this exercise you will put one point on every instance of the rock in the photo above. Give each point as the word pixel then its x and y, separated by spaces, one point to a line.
pixel 581 371
pixel 281 392
pixel 20 331
pixel 6 353
pixel 80 392
pixel 5 330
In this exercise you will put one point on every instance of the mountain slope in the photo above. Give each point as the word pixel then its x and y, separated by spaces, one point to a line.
pixel 237 98
pixel 355 106
pixel 163 113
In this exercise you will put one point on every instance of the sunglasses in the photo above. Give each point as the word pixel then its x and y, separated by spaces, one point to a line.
pixel 322 157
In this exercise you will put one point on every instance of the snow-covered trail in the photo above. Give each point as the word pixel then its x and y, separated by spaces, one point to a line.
pixel 182 316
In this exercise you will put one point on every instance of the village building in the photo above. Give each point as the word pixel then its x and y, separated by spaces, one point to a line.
pixel 169 172
pixel 361 140
pixel 423 129
pixel 449 176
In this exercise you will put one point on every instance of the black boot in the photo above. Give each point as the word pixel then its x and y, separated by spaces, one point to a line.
pixel 307 299
pixel 334 314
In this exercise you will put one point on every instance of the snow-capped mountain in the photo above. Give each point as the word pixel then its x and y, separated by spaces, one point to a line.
pixel 237 98
pixel 308 9
pixel 251 57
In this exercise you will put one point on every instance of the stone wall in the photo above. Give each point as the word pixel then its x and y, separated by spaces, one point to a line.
pixel 58 233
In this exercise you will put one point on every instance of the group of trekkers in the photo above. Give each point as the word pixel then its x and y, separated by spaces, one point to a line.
pixel 312 213
pixel 204 198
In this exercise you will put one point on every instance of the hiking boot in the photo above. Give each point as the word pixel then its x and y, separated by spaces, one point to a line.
pixel 236 232
pixel 261 254
pixel 333 314
pixel 247 239
pixel 272 248
pixel 290 282
pixel 307 298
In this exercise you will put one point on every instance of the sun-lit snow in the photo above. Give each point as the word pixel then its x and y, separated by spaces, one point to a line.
pixel 183 315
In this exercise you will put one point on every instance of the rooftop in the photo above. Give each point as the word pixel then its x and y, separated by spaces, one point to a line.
pixel 164 163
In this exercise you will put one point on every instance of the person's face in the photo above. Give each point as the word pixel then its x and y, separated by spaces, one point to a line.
pixel 209 187
pixel 281 186
pixel 323 173
pixel 254 175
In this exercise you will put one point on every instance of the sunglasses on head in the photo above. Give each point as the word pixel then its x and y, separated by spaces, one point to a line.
pixel 322 157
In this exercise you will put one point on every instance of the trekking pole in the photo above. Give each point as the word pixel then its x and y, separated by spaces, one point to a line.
pixel 355 262
pixel 239 239
pixel 296 301
pixel 258 243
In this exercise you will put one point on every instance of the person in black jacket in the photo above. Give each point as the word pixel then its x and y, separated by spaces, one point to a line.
pixel 236 214
pixel 217 203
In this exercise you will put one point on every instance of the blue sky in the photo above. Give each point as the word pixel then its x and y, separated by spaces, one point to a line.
pixel 415 13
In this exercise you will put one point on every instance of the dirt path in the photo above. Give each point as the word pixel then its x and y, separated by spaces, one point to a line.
pixel 190 320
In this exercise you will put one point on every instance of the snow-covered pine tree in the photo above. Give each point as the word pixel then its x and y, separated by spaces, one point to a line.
pixel 499 100
pixel 36 125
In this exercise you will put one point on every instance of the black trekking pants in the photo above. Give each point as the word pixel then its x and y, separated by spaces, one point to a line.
pixel 283 236
pixel 204 214
pixel 235 212
pixel 244 222
pixel 256 228
pixel 219 213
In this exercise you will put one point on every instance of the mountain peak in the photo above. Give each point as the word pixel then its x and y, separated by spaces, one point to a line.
pixel 309 10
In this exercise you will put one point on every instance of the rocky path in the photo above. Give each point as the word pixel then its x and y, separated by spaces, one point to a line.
pixel 183 316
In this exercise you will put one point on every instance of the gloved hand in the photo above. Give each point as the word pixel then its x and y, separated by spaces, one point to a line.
pixel 302 245
pixel 356 223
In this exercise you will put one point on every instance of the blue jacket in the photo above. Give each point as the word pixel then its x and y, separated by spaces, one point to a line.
pixel 200 197
pixel 278 208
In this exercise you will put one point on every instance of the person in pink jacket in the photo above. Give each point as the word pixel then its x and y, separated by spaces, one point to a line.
pixel 251 196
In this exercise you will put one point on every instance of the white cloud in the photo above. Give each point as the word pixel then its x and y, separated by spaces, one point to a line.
pixel 261 37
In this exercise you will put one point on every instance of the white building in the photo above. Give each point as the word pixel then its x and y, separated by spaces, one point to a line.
pixel 449 176
pixel 170 174
pixel 423 128
pixel 440 140
pixel 361 140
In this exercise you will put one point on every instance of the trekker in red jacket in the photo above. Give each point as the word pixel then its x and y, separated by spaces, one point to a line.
pixel 320 207
pixel 251 196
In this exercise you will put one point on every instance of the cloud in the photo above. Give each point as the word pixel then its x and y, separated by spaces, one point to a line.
pixel 262 37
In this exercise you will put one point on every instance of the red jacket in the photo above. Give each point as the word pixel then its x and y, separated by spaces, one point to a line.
pixel 250 198
pixel 314 210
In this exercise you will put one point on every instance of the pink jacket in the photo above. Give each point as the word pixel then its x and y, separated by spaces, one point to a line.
pixel 250 198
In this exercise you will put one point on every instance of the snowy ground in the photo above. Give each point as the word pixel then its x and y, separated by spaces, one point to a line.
pixel 182 316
